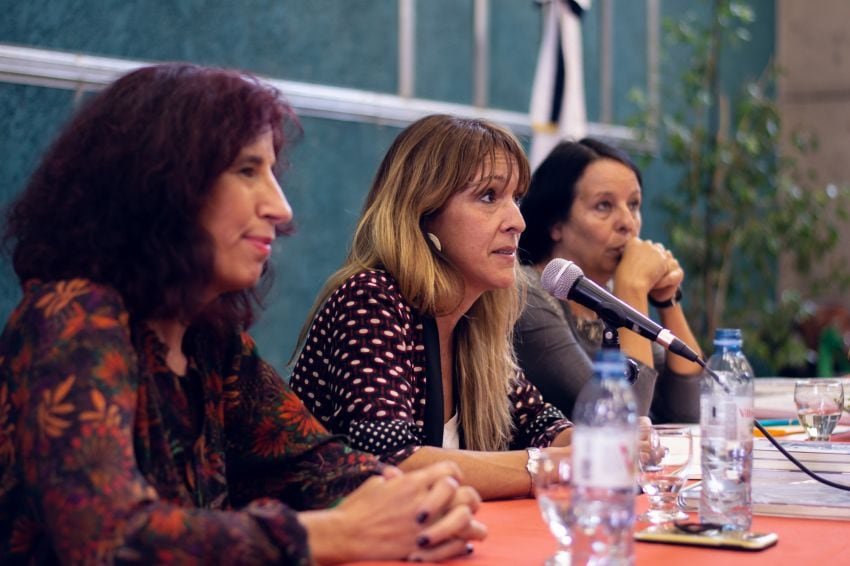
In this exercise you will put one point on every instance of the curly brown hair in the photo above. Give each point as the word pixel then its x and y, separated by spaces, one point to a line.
pixel 117 196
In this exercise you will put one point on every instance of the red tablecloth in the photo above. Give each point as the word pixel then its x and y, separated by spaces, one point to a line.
pixel 517 536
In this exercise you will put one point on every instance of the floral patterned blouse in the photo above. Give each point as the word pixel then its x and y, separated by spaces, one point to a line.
pixel 108 456
pixel 368 370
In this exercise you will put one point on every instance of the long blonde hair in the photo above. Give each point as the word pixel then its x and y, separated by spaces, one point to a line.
pixel 431 160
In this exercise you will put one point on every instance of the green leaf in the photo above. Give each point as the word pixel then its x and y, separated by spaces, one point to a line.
pixel 743 12
pixel 737 203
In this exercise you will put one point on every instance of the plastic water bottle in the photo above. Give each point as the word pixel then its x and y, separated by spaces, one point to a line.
pixel 605 442
pixel 726 429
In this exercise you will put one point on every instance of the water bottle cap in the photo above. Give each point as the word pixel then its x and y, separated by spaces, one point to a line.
pixel 609 363
pixel 728 337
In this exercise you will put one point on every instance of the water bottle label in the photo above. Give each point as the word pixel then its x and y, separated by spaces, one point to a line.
pixel 604 457
pixel 726 417
pixel 745 416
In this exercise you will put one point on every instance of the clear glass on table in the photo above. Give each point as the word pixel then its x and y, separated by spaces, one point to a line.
pixel 554 496
pixel 819 405
pixel 665 453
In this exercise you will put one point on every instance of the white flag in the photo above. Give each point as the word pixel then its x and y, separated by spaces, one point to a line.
pixel 557 109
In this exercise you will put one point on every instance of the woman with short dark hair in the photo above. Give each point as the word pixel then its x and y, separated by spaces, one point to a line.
pixel 584 205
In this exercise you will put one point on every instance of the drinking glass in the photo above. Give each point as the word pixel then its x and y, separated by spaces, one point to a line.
pixel 554 495
pixel 664 456
pixel 819 404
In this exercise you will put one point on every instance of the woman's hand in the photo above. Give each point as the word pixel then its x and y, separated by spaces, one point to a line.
pixel 451 535
pixel 648 269
pixel 423 515
pixel 641 267
pixel 648 447
pixel 651 268
pixel 665 288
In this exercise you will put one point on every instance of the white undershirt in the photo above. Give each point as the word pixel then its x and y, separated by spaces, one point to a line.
pixel 450 437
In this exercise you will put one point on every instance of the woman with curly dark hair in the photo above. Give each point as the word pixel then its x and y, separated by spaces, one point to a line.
pixel 137 421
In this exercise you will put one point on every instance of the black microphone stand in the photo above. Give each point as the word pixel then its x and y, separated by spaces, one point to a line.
pixel 611 341
pixel 610 335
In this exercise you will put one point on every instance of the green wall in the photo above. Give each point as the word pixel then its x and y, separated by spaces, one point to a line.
pixel 348 43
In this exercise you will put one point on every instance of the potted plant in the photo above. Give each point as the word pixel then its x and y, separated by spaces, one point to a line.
pixel 739 204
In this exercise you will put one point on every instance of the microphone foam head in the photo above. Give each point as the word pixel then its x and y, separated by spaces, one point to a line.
pixel 559 276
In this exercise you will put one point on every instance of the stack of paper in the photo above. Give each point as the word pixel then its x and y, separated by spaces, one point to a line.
pixel 831 457
pixel 787 494
pixel 780 488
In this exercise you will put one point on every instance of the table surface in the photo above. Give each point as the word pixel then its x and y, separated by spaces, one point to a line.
pixel 518 536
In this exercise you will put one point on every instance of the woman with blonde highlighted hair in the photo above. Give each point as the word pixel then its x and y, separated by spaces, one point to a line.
pixel 408 347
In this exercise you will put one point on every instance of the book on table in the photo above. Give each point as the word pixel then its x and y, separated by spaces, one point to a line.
pixel 816 466
pixel 818 456
pixel 788 494
pixel 780 488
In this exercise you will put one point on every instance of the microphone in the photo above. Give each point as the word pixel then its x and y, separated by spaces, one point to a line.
pixel 565 280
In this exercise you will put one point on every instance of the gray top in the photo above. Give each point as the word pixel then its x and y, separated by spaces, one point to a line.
pixel 555 351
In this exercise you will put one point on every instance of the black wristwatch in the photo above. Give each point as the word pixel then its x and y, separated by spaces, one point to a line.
pixel 632 370
pixel 672 301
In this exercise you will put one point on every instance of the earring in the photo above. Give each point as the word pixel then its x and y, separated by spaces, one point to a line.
pixel 435 240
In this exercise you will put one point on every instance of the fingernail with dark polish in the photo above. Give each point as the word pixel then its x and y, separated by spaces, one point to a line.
pixel 423 541
pixel 422 517
pixel 469 548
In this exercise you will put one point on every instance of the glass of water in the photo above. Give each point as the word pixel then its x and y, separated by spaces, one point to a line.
pixel 554 496
pixel 665 454
pixel 819 404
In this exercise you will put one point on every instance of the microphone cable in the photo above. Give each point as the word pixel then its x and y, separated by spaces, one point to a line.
pixel 776 444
